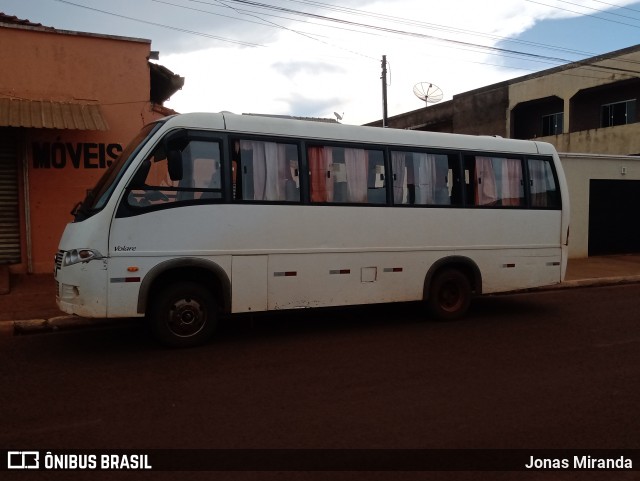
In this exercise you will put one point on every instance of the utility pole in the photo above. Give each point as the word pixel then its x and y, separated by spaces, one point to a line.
pixel 384 90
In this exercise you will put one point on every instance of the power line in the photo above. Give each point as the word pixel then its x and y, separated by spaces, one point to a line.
pixel 178 29
pixel 583 14
pixel 393 30
pixel 341 23
pixel 266 23
pixel 435 26
pixel 617 6
pixel 459 43
pixel 603 11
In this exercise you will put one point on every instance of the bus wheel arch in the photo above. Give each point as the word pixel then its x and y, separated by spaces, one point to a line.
pixel 183 291
pixel 183 314
pixel 450 285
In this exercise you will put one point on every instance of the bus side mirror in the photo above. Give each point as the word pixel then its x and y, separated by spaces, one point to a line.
pixel 175 140
pixel 174 164
pixel 173 144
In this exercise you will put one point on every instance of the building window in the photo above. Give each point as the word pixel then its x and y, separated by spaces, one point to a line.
pixel 619 113
pixel 552 124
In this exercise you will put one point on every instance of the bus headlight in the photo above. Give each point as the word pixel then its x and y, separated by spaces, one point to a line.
pixel 75 256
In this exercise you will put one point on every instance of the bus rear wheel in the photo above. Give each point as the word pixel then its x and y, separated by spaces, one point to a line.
pixel 183 315
pixel 449 295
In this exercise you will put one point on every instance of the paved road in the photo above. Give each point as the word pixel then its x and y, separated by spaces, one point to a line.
pixel 555 369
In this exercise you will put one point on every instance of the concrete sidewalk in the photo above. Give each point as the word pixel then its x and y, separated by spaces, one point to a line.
pixel 30 304
pixel 601 270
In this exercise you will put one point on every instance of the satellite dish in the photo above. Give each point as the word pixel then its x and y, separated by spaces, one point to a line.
pixel 338 116
pixel 428 92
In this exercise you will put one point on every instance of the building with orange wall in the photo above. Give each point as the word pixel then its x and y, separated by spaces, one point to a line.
pixel 69 104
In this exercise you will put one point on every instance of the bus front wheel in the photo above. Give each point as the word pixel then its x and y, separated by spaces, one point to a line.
pixel 449 294
pixel 183 315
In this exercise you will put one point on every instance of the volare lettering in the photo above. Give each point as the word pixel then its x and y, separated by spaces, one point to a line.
pixel 87 155
pixel 124 248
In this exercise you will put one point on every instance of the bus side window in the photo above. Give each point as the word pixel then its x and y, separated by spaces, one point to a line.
pixel 421 178
pixel 346 175
pixel 153 186
pixel 204 160
pixel 542 184
pixel 377 180
pixel 494 181
pixel 265 171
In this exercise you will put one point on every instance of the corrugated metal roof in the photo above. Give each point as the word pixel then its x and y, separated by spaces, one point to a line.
pixel 12 19
pixel 47 114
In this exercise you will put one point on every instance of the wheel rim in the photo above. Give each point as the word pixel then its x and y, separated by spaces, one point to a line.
pixel 187 317
pixel 450 297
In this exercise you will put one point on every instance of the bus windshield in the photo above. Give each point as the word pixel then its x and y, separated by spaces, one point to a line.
pixel 98 196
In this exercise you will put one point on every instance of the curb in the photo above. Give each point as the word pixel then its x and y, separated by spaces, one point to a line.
pixel 53 324
pixel 67 322
pixel 595 282
pixel 59 323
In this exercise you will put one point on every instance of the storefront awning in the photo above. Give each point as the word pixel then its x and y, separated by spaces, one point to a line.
pixel 47 114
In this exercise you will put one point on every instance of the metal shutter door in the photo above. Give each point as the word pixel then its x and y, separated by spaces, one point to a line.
pixel 9 204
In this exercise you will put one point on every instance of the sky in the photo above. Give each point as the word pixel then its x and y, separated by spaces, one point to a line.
pixel 323 58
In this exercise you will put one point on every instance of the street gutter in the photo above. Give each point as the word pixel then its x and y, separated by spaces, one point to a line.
pixel 68 322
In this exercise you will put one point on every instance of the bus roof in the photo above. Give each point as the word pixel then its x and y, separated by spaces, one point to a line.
pixel 278 127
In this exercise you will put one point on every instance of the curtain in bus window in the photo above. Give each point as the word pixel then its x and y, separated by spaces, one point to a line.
pixel 511 182
pixel 542 182
pixel 399 167
pixel 320 165
pixel 254 170
pixel 265 168
pixel 422 175
pixel 357 161
pixel 430 174
pixel 276 171
pixel 485 181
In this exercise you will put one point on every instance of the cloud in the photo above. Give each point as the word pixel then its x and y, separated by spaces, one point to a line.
pixel 313 106
pixel 313 58
pixel 292 69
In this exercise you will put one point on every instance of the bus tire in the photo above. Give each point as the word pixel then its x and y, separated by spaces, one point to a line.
pixel 183 314
pixel 449 295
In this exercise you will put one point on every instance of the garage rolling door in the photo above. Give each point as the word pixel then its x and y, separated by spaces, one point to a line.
pixel 9 202
pixel 613 217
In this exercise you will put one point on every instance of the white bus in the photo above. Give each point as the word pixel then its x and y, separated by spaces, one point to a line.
pixel 212 214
